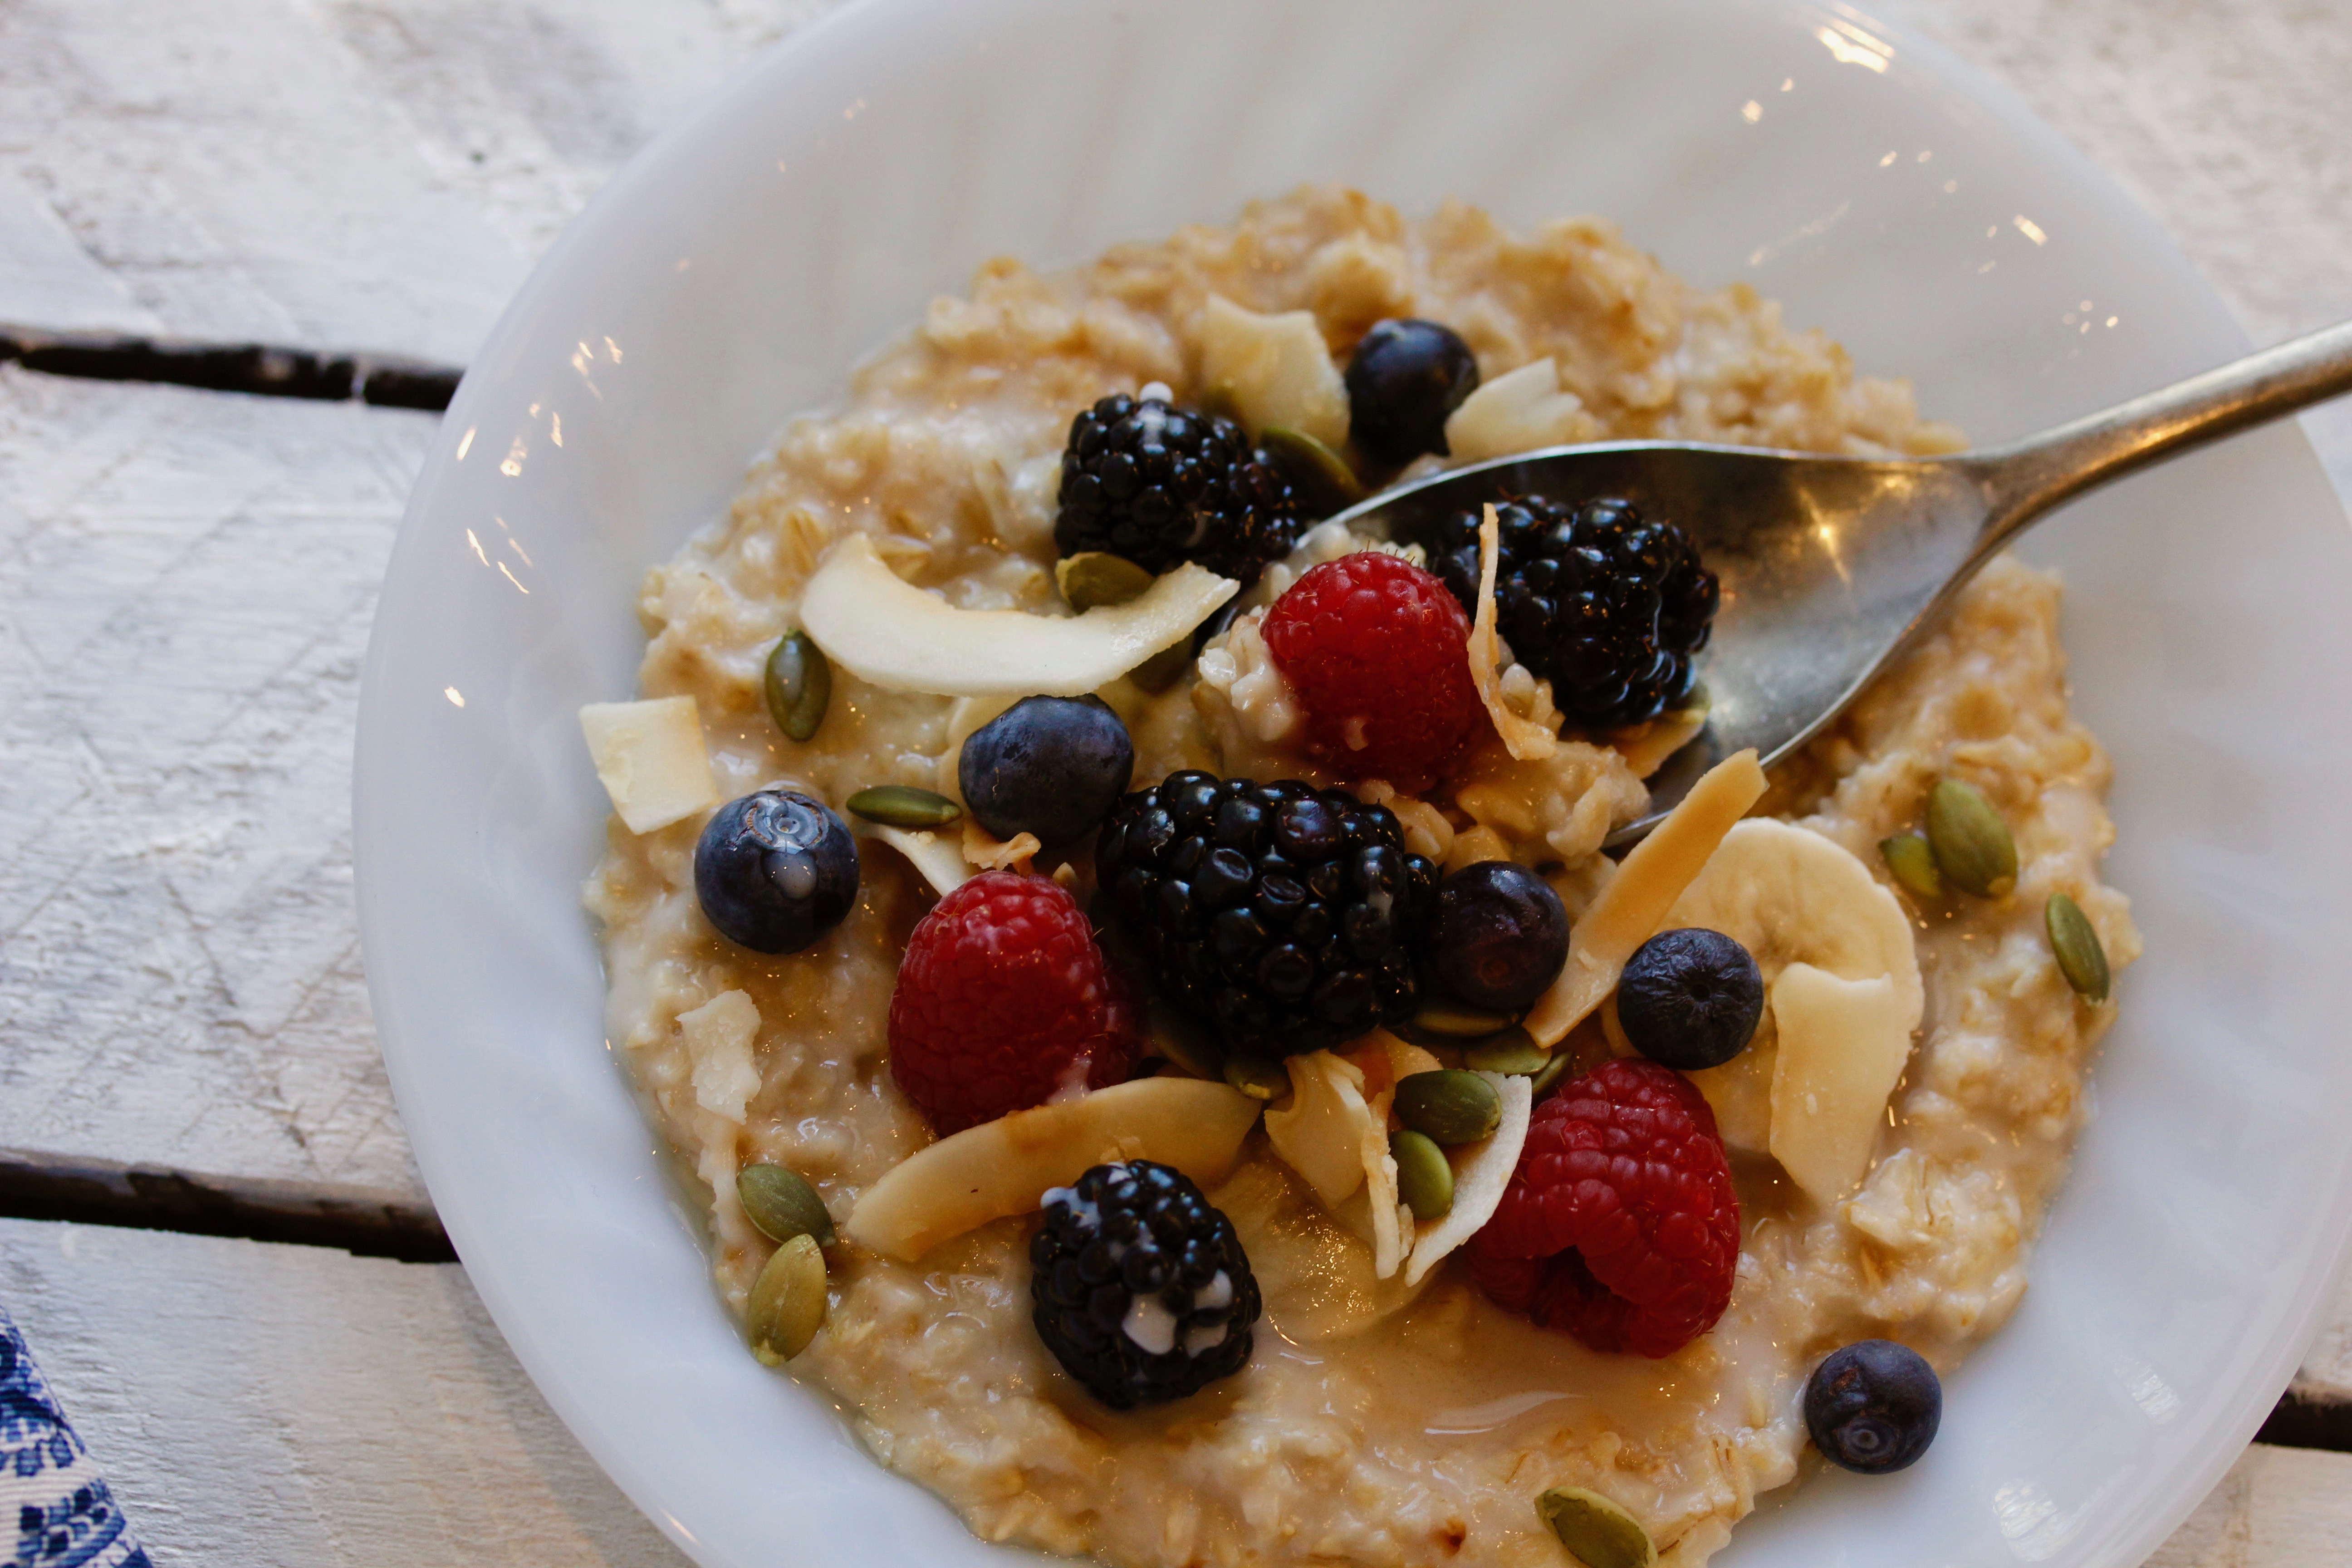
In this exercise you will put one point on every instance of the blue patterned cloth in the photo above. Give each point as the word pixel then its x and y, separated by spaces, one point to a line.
pixel 65 1517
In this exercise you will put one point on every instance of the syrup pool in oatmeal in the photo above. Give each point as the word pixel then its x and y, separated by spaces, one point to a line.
pixel 1388 1412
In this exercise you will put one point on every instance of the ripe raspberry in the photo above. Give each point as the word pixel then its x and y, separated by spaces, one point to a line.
pixel 1377 651
pixel 1619 1225
pixel 1003 998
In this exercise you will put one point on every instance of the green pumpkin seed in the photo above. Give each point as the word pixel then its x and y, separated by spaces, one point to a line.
pixel 1452 1022
pixel 1911 860
pixel 780 1201
pixel 1096 577
pixel 1449 1106
pixel 1260 1078
pixel 1597 1531
pixel 787 1302
pixel 1424 1178
pixel 2081 959
pixel 800 684
pixel 1324 482
pixel 1972 845
pixel 1513 1053
pixel 903 806
pixel 1549 1076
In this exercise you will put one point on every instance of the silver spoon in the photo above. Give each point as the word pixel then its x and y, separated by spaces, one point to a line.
pixel 1831 567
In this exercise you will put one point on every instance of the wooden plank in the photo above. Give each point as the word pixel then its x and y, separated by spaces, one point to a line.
pixel 2327 1374
pixel 293 1407
pixel 2276 1507
pixel 188 584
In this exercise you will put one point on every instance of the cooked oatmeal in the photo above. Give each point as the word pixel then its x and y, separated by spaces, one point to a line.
pixel 1376 1423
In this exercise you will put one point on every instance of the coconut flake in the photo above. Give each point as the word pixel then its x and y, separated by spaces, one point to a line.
pixel 1391 1239
pixel 942 863
pixel 1518 411
pixel 891 634
pixel 1323 1132
pixel 1646 746
pixel 1481 1173
pixel 1525 739
pixel 989 854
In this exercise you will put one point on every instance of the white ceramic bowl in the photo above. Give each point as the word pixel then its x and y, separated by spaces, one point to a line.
pixel 735 272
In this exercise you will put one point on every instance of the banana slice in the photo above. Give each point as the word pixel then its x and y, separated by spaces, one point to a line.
pixel 1842 1047
pixel 1792 897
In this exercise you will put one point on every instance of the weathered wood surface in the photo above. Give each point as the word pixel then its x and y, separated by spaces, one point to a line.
pixel 188 585
pixel 294 1407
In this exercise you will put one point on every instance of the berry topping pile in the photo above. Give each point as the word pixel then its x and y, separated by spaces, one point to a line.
pixel 776 871
pixel 1502 935
pixel 1690 998
pixel 1140 1287
pixel 1873 1406
pixel 1049 766
pixel 1285 917
pixel 1004 999
pixel 1619 1225
pixel 1607 606
pixel 1403 380
pixel 1377 653
pixel 1162 486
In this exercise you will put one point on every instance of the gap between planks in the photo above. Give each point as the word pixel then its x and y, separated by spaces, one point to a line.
pixel 264 369
pixel 362 1220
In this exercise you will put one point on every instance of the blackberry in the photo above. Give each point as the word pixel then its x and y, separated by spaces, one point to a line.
pixel 1286 917
pixel 1162 485
pixel 1609 607
pixel 1138 1286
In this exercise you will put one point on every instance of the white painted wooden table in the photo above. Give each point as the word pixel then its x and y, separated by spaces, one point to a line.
pixel 187 584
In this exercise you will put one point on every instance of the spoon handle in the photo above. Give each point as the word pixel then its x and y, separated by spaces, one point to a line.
pixel 2024 480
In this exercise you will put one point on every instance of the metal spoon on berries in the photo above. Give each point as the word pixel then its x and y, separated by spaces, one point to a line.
pixel 1831 567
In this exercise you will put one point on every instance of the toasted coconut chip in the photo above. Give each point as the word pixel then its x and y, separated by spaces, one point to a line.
pixel 1646 747
pixel 1526 739
pixel 1321 1132
pixel 988 854
pixel 1391 1239
pixel 1481 1171
pixel 942 863
pixel 1002 1167
pixel 893 635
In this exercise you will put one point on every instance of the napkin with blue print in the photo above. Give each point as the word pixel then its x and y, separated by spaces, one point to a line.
pixel 64 1516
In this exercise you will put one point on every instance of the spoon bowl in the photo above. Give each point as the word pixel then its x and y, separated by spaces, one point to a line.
pixel 1831 567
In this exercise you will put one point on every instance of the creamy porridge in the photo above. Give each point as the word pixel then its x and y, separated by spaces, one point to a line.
pixel 1387 1414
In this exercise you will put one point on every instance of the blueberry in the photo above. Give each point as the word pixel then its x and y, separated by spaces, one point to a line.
pixel 1404 378
pixel 1052 766
pixel 1502 935
pixel 776 871
pixel 1690 998
pixel 1873 1406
